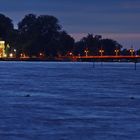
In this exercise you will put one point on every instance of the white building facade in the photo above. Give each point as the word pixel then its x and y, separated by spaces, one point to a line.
pixel 2 49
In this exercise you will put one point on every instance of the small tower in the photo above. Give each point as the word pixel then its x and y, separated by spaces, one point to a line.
pixel 2 49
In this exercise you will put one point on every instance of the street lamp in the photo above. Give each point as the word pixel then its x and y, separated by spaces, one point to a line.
pixel 101 51
pixel 86 52
pixel 132 51
pixel 11 55
pixel 40 54
pixel 21 55
pixel 116 52
pixel 70 53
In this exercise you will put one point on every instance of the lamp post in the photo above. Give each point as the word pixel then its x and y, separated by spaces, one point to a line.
pixel 86 52
pixel 11 55
pixel 116 52
pixel 70 53
pixel 132 51
pixel 101 51
pixel 41 55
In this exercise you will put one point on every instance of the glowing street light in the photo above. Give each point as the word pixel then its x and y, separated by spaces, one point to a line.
pixel 132 51
pixel 101 51
pixel 11 55
pixel 40 54
pixel 86 52
pixel 116 52
pixel 70 53
pixel 21 55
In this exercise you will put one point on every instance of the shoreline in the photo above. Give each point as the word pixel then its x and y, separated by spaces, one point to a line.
pixel 68 60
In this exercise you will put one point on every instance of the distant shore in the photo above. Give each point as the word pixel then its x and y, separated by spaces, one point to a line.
pixel 68 59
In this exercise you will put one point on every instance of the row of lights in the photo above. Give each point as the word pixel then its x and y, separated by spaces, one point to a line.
pixel 101 51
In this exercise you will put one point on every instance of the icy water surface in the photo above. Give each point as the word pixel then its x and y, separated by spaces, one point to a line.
pixel 69 101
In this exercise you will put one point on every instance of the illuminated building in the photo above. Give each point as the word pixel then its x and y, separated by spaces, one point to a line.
pixel 2 49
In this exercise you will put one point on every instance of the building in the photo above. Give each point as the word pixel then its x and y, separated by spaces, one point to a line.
pixel 2 49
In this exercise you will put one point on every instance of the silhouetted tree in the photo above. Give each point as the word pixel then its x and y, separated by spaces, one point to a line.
pixel 66 44
pixel 90 43
pixel 138 52
pixel 94 43
pixel 125 52
pixel 79 48
pixel 6 28
pixel 38 34
pixel 49 33
pixel 109 46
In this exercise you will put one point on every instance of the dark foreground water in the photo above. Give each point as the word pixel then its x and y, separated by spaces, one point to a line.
pixel 69 101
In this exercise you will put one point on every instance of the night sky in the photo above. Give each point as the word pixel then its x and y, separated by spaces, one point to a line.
pixel 116 19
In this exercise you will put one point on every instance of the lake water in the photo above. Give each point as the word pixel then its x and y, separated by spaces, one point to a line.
pixel 69 101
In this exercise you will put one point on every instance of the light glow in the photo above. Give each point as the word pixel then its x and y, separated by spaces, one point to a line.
pixel 11 55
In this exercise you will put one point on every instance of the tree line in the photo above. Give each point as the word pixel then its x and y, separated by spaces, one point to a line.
pixel 43 35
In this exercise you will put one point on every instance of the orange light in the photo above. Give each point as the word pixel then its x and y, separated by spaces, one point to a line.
pixel 86 52
pixel 11 55
pixel 117 51
pixel 132 51
pixel 101 52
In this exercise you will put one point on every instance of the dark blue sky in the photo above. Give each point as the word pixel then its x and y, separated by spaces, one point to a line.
pixel 117 19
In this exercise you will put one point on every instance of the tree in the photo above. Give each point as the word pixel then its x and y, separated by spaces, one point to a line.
pixel 90 43
pixel 138 52
pixel 48 29
pixel 66 43
pixel 6 28
pixel 27 34
pixel 94 43
pixel 79 48
pixel 109 46
pixel 125 52
pixel 38 34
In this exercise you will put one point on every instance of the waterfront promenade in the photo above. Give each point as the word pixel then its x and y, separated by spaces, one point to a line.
pixel 127 58
pixel 100 58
